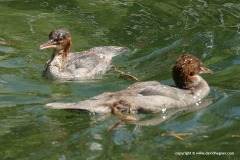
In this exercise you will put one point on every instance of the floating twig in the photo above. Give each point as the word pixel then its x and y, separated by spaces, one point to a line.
pixel 124 74
pixel 9 43
pixel 178 135
pixel 238 136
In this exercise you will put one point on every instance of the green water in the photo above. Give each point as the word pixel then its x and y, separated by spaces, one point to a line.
pixel 156 33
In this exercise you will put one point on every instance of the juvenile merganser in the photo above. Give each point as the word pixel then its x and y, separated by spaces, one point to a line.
pixel 81 65
pixel 151 96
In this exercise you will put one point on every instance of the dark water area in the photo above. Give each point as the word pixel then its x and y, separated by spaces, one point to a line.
pixel 157 33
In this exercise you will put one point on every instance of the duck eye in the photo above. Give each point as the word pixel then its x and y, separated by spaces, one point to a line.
pixel 191 73
pixel 60 40
pixel 54 41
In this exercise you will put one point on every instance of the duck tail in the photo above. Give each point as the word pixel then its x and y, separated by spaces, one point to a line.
pixel 91 106
pixel 111 51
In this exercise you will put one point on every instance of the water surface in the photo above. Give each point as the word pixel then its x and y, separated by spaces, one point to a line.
pixel 156 33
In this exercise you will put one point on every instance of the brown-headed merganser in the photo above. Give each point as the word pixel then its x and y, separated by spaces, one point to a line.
pixel 151 96
pixel 81 65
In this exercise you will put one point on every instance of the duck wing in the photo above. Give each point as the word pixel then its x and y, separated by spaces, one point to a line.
pixel 93 62
pixel 154 88
pixel 94 56
pixel 162 90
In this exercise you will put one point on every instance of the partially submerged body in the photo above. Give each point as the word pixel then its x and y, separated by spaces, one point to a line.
pixel 67 66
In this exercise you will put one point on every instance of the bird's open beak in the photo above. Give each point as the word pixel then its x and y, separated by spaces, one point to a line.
pixel 49 44
pixel 205 70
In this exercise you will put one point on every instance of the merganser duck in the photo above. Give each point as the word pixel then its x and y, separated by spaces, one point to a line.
pixel 81 65
pixel 151 96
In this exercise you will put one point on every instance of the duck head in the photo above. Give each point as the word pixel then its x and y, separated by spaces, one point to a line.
pixel 186 70
pixel 60 41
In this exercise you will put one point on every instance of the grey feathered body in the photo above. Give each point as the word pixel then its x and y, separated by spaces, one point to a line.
pixel 82 65
pixel 148 96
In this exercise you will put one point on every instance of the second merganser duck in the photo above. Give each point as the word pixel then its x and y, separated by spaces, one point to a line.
pixel 82 65
pixel 151 96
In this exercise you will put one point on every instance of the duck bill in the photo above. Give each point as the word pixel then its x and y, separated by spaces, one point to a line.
pixel 205 70
pixel 48 44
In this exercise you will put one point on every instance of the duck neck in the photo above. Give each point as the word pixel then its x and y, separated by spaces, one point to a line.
pixel 198 84
pixel 62 55
pixel 187 82
pixel 193 82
